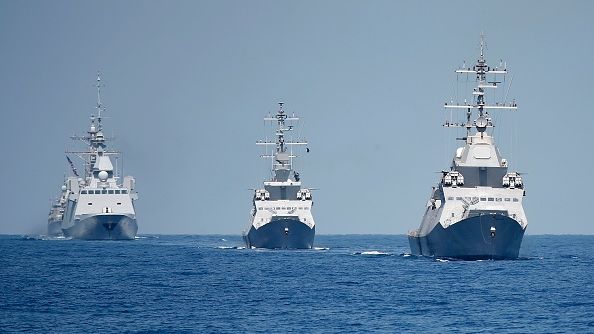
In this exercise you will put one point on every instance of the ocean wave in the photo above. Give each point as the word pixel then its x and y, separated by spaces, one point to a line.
pixel 230 247
pixel 146 237
pixel 43 237
pixel 33 238
pixel 373 253
pixel 61 237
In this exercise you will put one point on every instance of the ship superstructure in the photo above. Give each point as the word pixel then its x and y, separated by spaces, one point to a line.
pixel 475 211
pixel 281 217
pixel 99 205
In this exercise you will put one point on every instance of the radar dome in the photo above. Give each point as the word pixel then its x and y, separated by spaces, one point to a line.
pixel 103 176
pixel 481 124
pixel 63 187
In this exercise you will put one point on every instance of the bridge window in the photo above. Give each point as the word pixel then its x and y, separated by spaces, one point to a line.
pixel 117 191
pixel 498 199
pixel 491 199
pixel 119 203
pixel 124 191
pixel 97 192
pixel 458 198
pixel 89 203
pixel 516 200
pixel 110 192
pixel 483 199
pixel 104 191
pixel 507 199
pixel 450 198
pixel 84 192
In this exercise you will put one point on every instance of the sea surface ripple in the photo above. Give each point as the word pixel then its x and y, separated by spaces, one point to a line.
pixel 352 283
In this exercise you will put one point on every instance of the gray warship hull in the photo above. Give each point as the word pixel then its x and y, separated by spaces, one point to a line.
pixel 103 227
pixel 471 239
pixel 281 233
pixel 54 228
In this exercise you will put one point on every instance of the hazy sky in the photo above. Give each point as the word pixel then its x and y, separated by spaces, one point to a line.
pixel 188 83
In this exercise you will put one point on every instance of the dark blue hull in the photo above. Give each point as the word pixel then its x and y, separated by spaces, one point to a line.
pixel 281 233
pixel 472 239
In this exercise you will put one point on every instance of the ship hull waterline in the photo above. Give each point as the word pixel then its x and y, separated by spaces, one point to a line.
pixel 472 239
pixel 103 227
pixel 281 233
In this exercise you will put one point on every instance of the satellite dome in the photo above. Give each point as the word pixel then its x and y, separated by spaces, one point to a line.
pixel 481 124
pixel 103 176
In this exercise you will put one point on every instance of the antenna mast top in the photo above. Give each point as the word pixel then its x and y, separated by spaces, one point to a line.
pixel 482 44
pixel 100 106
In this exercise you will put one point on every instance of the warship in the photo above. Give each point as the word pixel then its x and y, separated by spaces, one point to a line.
pixel 54 220
pixel 475 211
pixel 281 216
pixel 98 204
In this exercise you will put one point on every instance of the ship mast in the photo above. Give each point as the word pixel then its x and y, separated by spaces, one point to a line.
pixel 282 160
pixel 280 132
pixel 482 71
pixel 99 106
pixel 95 138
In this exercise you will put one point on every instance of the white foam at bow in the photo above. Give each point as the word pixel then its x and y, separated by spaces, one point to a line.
pixel 374 253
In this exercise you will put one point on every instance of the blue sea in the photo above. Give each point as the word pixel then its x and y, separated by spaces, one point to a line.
pixel 349 283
